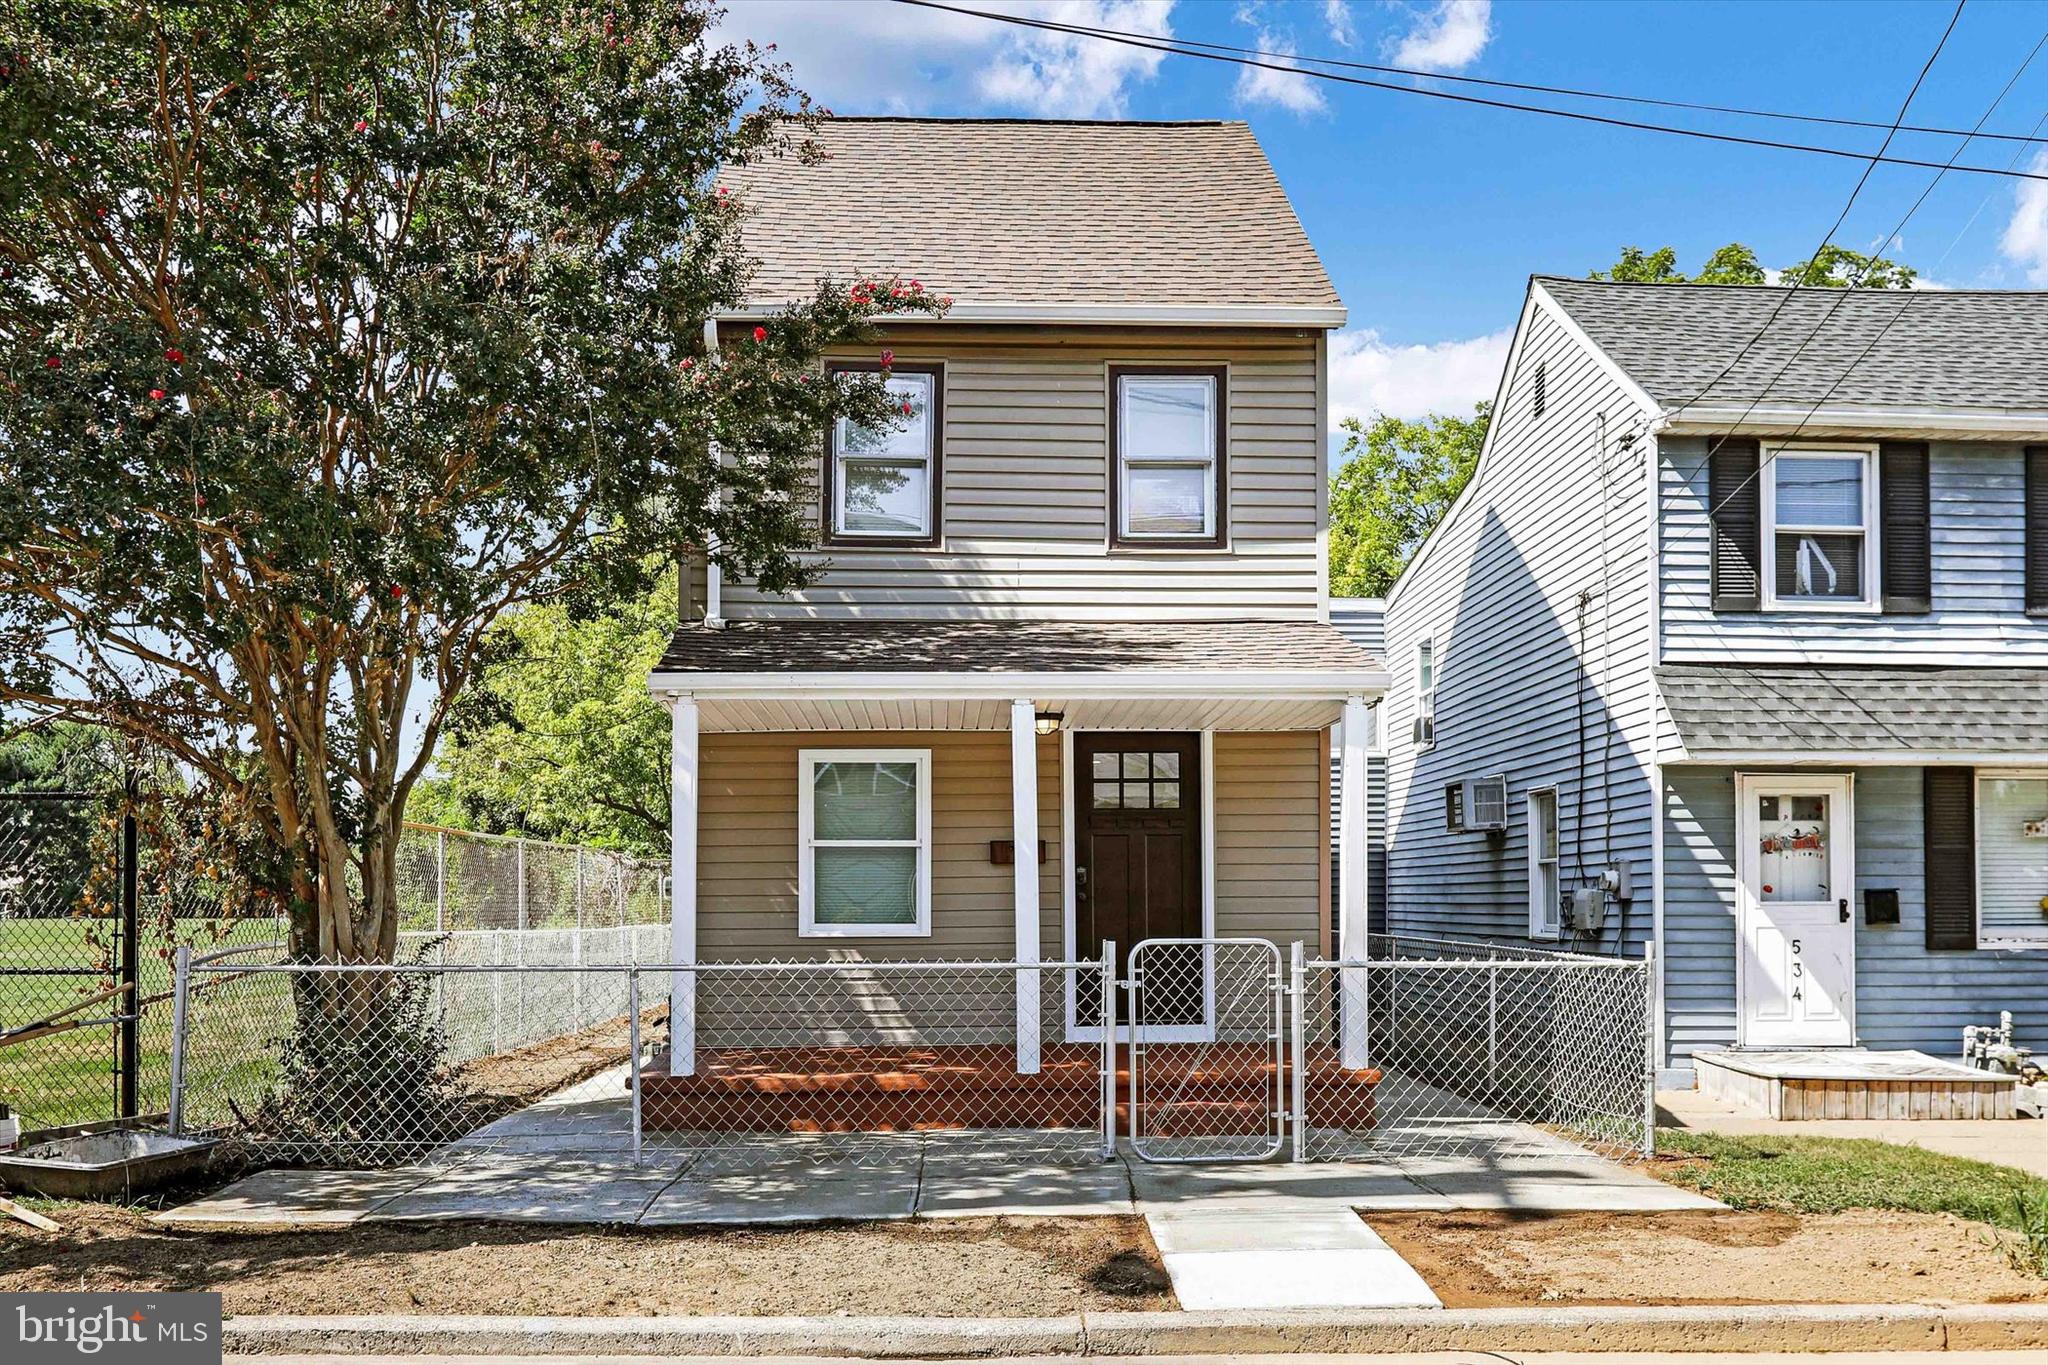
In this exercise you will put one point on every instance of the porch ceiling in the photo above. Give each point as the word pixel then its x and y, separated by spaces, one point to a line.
pixel 782 714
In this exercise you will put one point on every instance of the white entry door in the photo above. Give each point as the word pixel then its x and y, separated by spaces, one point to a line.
pixel 1795 896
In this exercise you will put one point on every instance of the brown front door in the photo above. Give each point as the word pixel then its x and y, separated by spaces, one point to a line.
pixel 1138 864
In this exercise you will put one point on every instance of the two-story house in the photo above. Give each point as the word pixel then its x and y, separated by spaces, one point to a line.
pixel 1066 674
pixel 1742 628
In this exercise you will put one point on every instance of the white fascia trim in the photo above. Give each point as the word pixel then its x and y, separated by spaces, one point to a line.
pixel 1290 685
pixel 1859 758
pixel 1120 314
pixel 1702 419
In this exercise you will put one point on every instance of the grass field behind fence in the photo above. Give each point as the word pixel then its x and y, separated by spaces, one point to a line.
pixel 69 1077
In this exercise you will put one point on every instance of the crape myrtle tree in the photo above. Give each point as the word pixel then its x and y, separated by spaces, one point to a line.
pixel 331 331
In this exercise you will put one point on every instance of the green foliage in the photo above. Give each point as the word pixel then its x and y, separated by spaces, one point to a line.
pixel 363 1076
pixel 329 332
pixel 1834 268
pixel 1837 267
pixel 1396 480
pixel 560 739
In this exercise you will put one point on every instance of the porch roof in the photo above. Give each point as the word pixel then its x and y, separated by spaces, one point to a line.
pixel 908 674
pixel 1851 714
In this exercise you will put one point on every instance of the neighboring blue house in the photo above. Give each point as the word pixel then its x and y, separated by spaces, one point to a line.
pixel 1744 620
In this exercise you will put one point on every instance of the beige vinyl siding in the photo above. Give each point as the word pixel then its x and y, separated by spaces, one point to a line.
pixel 1271 805
pixel 1268 792
pixel 747 863
pixel 1025 496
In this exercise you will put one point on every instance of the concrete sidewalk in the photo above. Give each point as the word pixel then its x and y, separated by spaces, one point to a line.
pixel 2020 1143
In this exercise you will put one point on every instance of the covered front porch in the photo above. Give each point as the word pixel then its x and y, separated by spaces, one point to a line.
pixel 1002 803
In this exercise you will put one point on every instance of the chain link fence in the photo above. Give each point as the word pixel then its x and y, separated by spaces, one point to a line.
pixel 91 917
pixel 1210 1050
pixel 1443 1048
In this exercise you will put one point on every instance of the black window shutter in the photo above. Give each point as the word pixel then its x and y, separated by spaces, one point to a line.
pixel 1950 795
pixel 2037 530
pixel 1735 501
pixel 1904 508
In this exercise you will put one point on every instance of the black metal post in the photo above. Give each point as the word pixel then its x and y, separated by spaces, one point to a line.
pixel 125 1063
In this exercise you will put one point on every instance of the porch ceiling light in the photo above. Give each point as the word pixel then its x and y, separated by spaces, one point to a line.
pixel 1047 722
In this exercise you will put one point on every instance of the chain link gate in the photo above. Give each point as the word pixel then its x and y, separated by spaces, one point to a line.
pixel 1207 1050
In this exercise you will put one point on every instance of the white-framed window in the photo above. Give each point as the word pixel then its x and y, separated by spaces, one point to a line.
pixel 1820 528
pixel 883 485
pixel 1169 457
pixel 1424 733
pixel 864 843
pixel 1546 890
pixel 2012 858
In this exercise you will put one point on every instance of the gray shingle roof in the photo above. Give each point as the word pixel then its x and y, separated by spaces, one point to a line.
pixel 1012 647
pixel 1943 348
pixel 1738 709
pixel 1033 212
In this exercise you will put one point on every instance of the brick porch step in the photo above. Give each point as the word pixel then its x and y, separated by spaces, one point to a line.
pixel 1189 1090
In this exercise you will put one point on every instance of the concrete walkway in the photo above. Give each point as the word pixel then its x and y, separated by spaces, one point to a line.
pixel 2021 1143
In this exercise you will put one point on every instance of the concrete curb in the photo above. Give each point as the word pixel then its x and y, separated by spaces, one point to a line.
pixel 1802 1328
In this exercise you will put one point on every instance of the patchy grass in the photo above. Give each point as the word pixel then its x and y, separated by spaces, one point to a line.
pixel 1834 1175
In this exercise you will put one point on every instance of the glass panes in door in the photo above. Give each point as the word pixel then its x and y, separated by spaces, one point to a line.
pixel 1793 843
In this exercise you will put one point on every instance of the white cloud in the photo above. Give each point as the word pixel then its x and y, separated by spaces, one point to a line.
pixel 1447 38
pixel 877 57
pixel 1263 84
pixel 1337 18
pixel 2025 242
pixel 1369 375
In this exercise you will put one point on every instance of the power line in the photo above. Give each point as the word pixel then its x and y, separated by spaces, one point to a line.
pixel 1174 48
pixel 1905 302
pixel 1840 218
pixel 1528 87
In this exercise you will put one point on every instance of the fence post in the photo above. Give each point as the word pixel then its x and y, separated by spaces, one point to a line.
pixel 519 879
pixel 181 990
pixel 1493 1026
pixel 633 1043
pixel 1110 987
pixel 130 1005
pixel 1297 1051
pixel 576 944
pixel 441 883
pixel 1650 1041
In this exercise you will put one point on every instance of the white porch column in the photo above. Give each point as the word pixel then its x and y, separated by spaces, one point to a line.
pixel 1024 830
pixel 1353 944
pixel 682 869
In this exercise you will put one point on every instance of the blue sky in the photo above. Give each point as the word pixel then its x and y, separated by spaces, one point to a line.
pixel 1431 216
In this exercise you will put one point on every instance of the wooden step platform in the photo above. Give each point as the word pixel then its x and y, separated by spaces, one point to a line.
pixel 1189 1090
pixel 1853 1083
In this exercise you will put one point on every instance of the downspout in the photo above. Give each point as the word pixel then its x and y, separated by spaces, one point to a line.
pixel 714 577
pixel 1653 478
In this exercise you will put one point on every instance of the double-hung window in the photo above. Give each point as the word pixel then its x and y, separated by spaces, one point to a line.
pixel 1819 507
pixel 1425 694
pixel 882 485
pixel 864 842
pixel 2012 858
pixel 1546 891
pixel 1170 463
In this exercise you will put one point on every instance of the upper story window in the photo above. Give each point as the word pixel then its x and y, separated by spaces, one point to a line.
pixel 1425 693
pixel 864 842
pixel 882 487
pixel 1168 446
pixel 1820 515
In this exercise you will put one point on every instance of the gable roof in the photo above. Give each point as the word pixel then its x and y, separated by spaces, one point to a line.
pixel 1040 220
pixel 1926 347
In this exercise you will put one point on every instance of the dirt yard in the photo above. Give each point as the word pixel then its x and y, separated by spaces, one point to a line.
pixel 949 1268
pixel 1486 1260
